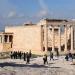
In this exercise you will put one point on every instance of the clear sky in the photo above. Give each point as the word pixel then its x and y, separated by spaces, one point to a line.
pixel 20 11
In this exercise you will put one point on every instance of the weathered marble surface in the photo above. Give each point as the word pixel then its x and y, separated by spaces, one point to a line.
pixel 36 67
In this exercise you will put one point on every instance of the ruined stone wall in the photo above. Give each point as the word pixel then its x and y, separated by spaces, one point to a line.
pixel 26 38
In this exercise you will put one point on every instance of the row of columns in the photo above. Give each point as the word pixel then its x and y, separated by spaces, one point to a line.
pixel 71 32
pixel 53 44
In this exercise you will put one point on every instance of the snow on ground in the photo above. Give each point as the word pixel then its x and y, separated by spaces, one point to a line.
pixel 19 67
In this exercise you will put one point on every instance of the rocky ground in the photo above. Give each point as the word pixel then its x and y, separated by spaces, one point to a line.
pixel 19 67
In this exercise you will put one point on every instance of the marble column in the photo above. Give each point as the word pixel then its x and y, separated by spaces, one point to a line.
pixel 46 37
pixel 71 38
pixel 59 39
pixel 65 37
pixel 8 39
pixel 52 38
pixel 2 38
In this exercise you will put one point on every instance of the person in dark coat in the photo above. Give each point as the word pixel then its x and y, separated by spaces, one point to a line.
pixel 11 55
pixel 27 58
pixel 24 54
pixel 20 54
pixel 57 53
pixel 66 57
pixel 51 55
pixel 70 56
pixel 30 54
pixel 45 59
pixel 14 55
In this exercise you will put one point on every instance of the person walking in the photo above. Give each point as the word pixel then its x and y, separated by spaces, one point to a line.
pixel 27 58
pixel 45 59
pixel 57 53
pixel 20 54
pixel 70 56
pixel 66 57
pixel 51 55
pixel 24 55
pixel 30 54
pixel 14 55
pixel 11 55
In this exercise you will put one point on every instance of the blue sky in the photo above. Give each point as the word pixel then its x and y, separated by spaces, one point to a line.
pixel 22 11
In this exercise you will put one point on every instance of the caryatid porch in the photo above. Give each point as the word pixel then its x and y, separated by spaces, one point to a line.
pixel 6 41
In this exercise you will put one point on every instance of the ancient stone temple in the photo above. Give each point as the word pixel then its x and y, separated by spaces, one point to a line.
pixel 46 35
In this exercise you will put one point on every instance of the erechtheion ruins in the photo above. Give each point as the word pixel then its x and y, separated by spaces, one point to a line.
pixel 46 35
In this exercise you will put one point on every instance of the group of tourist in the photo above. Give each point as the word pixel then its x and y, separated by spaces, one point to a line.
pixel 51 57
pixel 26 56
pixel 21 55
pixel 69 56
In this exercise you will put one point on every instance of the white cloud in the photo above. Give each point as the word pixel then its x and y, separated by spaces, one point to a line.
pixel 42 13
pixel 14 14
pixel 42 4
pixel 11 14
pixel 21 16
